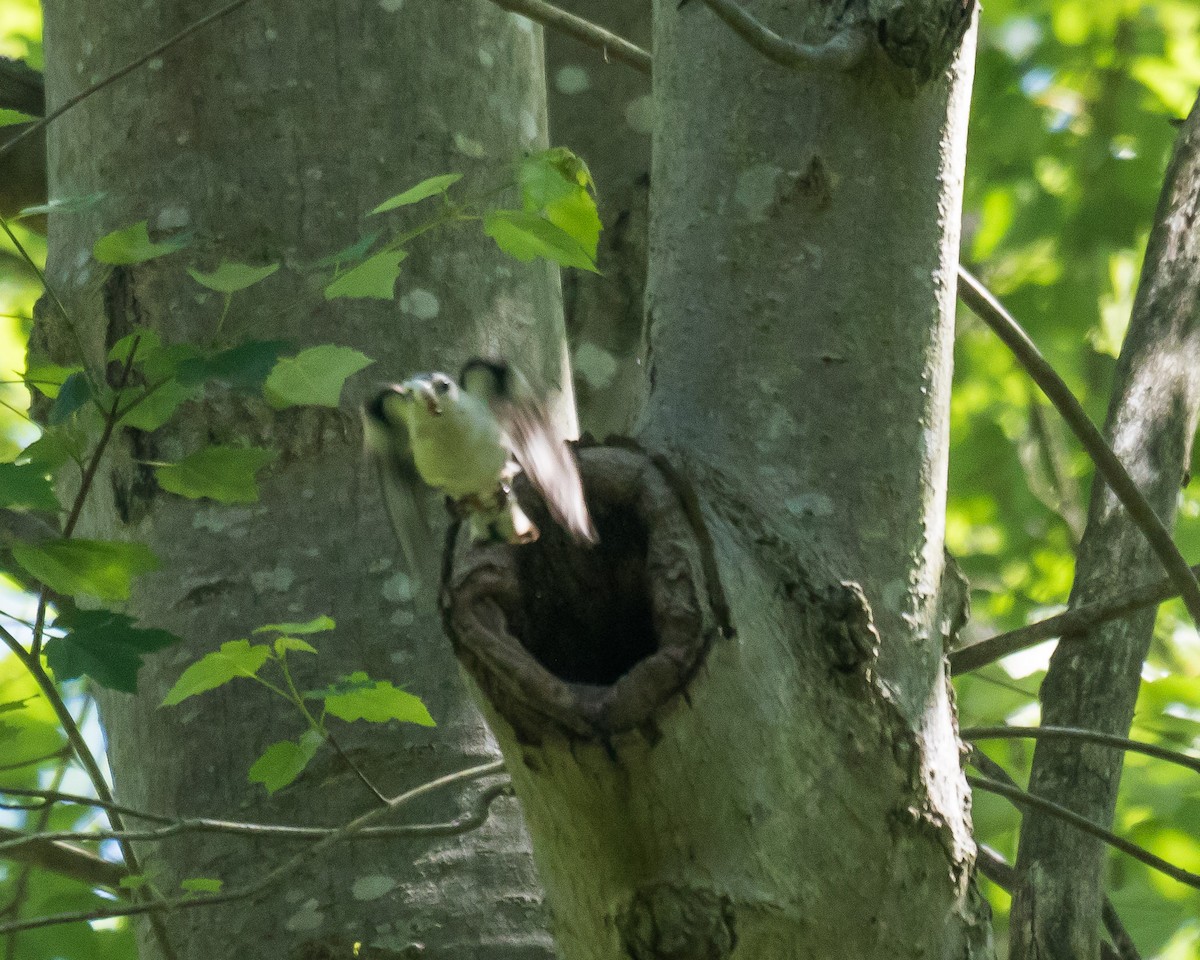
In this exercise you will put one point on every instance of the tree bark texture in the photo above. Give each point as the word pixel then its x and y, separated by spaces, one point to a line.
pixel 746 749
pixel 605 113
pixel 268 137
pixel 1093 679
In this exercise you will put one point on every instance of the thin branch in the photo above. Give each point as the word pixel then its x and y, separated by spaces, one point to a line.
pixel 57 796
pixel 976 296
pixel 282 872
pixel 1075 623
pixel 118 74
pixel 972 734
pixel 258 831
pixel 843 51
pixel 614 47
pixel 1022 798
pixel 1123 945
pixel 59 857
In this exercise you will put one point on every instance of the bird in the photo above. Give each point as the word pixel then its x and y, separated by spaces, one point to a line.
pixel 468 438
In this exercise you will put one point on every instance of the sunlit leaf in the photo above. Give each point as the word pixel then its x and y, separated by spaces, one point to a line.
pixel 232 277
pixel 236 658
pixel 526 235
pixel 48 378
pixel 357 697
pixel 284 761
pixel 201 885
pixel 426 188
pixel 224 474
pixel 317 625
pixel 313 377
pixel 373 278
pixel 131 245
pixel 284 645
pixel 97 568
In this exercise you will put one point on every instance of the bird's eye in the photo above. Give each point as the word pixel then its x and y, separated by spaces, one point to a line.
pixel 441 385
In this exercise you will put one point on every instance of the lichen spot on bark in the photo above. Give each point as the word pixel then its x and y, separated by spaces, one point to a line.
pixel 670 922
pixel 587 640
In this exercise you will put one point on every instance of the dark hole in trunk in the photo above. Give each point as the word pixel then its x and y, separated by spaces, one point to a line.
pixel 585 611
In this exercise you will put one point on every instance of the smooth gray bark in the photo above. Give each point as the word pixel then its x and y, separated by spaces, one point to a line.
pixel 793 789
pixel 1093 678
pixel 268 137
pixel 604 112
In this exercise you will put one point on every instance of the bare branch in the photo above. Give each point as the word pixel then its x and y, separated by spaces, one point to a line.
pixel 843 51
pixel 613 46
pixel 259 831
pixel 1022 798
pixel 1074 623
pixel 972 734
pixel 43 851
pixel 976 296
pixel 281 872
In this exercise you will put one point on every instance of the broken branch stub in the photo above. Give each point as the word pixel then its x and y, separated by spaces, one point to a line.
pixel 587 641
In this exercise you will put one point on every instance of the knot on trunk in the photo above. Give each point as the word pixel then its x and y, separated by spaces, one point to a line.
pixel 583 640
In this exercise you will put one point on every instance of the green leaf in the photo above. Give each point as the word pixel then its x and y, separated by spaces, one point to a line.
pixel 526 235
pixel 149 346
pixel 285 645
pixel 224 474
pixel 97 568
pixel 53 448
pixel 158 406
pixel 284 761
pixel 426 188
pixel 25 486
pixel 317 625
pixel 244 367
pixel 201 885
pixel 314 377
pixel 72 395
pixel 48 378
pixel 63 205
pixel 374 277
pixel 134 881
pixel 356 251
pixel 357 697
pixel 237 658
pixel 131 245
pixel 103 645
pixel 232 277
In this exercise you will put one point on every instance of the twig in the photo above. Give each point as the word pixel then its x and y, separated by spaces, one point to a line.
pixel 1023 798
pixel 613 47
pixel 256 831
pixel 991 312
pixel 283 871
pixel 843 51
pixel 57 796
pixel 971 734
pixel 39 850
pixel 118 74
pixel 1076 623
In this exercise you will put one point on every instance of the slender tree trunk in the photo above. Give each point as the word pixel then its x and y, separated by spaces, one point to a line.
pixel 777 775
pixel 267 137
pixel 1093 679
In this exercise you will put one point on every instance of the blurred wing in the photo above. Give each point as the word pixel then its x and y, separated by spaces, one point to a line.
pixel 404 496
pixel 548 462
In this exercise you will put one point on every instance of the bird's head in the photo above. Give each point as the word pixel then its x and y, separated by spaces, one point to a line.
pixel 425 395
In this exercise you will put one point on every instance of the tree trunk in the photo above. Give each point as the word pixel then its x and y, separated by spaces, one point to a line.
pixel 1094 678
pixel 268 136
pixel 774 775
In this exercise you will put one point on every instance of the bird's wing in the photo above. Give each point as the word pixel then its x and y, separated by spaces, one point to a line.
pixel 403 493
pixel 547 460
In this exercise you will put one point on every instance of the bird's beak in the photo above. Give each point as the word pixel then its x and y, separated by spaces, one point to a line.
pixel 431 400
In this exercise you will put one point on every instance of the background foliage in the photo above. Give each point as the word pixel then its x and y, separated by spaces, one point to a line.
pixel 1070 131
